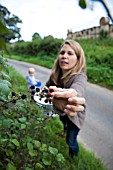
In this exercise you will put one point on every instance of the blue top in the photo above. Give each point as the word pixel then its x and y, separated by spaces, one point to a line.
pixel 31 80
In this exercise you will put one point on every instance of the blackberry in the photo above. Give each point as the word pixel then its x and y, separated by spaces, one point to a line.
pixel 50 100
pixel 46 90
pixel 13 93
pixel 23 96
pixel 42 96
pixel 33 92
pixel 37 89
pixel 51 90
pixel 14 101
pixel 12 132
pixel 32 87
pixel 46 100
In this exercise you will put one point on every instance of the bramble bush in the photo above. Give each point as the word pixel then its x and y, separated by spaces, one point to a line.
pixel 23 145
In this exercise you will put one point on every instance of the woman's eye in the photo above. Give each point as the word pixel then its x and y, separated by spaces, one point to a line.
pixel 70 53
pixel 62 52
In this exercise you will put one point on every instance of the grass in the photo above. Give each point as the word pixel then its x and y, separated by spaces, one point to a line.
pixel 85 161
pixel 34 60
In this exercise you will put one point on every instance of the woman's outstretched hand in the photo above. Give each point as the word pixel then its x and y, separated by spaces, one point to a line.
pixel 66 100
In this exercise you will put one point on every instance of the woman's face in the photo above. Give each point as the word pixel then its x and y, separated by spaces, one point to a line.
pixel 67 58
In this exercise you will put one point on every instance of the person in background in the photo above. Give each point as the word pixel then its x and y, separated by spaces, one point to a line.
pixel 31 81
pixel 68 81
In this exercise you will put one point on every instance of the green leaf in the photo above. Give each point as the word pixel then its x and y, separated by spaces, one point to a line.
pixel 2 43
pixel 22 119
pixel 53 151
pixel 2 117
pixel 82 3
pixel 4 89
pixel 27 168
pixel 33 153
pixel 6 67
pixel 9 152
pixel 46 162
pixel 4 75
pixel 37 143
pixel 15 142
pixel 30 146
pixel 6 82
pixel 27 139
pixel 2 98
pixel 3 140
pixel 3 29
pixel 46 159
pixel 43 147
pixel 7 123
pixel 1 59
pixel 60 157
pixel 10 167
pixel 38 166
pixel 23 126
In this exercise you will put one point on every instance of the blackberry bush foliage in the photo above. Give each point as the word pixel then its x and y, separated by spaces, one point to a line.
pixel 23 141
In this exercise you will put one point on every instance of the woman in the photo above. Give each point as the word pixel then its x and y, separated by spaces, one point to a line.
pixel 69 72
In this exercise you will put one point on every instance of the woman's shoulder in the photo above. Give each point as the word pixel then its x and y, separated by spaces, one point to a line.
pixel 75 79
pixel 81 75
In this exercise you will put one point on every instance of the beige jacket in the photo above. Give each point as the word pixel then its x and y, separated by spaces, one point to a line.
pixel 77 82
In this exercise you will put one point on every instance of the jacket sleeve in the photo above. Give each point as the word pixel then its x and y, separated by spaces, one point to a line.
pixel 78 82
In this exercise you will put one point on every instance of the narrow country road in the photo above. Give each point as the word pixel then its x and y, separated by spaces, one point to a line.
pixel 97 132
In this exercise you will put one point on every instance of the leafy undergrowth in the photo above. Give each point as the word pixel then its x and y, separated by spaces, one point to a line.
pixel 30 141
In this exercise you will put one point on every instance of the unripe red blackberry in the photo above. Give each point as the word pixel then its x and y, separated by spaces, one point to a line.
pixel 49 94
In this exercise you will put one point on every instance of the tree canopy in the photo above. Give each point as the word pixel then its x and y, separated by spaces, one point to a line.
pixel 8 26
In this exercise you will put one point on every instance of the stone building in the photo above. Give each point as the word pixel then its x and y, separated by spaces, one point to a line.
pixel 93 32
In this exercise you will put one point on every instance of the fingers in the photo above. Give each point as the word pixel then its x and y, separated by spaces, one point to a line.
pixel 63 93
pixel 75 104
pixel 76 100
pixel 72 110
pixel 56 89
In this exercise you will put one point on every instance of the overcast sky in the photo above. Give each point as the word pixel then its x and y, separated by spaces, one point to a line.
pixel 54 17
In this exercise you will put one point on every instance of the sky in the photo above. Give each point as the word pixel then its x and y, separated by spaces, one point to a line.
pixel 54 17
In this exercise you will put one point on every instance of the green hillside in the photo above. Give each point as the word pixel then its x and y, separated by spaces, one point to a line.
pixel 98 52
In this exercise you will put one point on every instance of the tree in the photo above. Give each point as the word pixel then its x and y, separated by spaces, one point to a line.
pixel 36 36
pixel 8 26
pixel 83 4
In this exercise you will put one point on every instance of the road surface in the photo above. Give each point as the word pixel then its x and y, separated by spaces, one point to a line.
pixel 97 132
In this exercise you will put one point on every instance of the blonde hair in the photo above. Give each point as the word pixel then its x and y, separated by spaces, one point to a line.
pixel 31 70
pixel 80 66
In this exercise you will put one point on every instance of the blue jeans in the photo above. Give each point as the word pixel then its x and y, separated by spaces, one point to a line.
pixel 71 135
